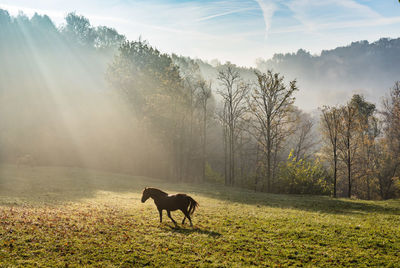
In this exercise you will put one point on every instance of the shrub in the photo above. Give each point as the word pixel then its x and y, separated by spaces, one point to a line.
pixel 212 175
pixel 303 176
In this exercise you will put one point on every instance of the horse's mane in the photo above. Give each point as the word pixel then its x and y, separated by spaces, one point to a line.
pixel 157 191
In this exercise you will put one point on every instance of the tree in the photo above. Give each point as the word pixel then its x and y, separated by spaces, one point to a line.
pixel 107 38
pixel 330 130
pixel 233 93
pixel 388 160
pixel 139 70
pixel 190 73
pixel 151 84
pixel 391 119
pixel 303 136
pixel 5 18
pixel 271 104
pixel 387 170
pixel 347 140
pixel 367 127
pixel 204 95
pixel 78 29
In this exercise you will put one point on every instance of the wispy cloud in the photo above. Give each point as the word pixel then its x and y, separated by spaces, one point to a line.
pixel 340 25
pixel 224 14
pixel 13 9
pixel 313 13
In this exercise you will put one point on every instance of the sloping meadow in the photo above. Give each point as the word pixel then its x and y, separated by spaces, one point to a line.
pixel 65 216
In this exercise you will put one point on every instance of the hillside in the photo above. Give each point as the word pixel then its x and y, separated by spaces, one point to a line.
pixel 334 75
pixel 53 216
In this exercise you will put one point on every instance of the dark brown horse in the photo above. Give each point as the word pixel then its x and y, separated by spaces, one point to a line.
pixel 183 202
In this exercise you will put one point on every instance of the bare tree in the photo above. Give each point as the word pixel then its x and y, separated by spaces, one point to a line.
pixel 330 130
pixel 204 95
pixel 348 144
pixel 304 140
pixel 271 104
pixel 233 93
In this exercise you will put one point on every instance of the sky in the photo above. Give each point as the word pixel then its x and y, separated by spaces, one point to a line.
pixel 237 31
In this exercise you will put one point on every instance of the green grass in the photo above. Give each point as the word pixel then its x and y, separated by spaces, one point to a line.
pixel 68 216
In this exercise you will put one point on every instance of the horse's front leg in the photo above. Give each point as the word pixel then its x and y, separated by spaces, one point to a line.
pixel 160 211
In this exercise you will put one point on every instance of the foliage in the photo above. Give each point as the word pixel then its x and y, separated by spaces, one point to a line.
pixel 213 176
pixel 304 176
pixel 79 30
pixel 140 72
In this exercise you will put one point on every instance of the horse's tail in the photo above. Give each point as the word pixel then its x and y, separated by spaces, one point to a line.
pixel 192 205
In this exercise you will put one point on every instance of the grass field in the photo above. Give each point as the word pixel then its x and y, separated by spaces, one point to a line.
pixel 74 217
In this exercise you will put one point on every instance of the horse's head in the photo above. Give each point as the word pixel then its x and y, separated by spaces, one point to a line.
pixel 146 194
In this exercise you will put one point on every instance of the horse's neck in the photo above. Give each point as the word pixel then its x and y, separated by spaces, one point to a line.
pixel 158 194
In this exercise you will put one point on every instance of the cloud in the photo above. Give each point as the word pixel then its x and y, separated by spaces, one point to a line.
pixel 314 13
pixel 14 10
pixel 355 6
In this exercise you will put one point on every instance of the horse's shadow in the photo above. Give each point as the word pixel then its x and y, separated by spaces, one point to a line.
pixel 188 231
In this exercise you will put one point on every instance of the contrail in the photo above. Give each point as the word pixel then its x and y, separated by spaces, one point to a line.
pixel 268 8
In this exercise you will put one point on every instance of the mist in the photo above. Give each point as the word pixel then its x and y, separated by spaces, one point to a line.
pixel 56 106
pixel 333 76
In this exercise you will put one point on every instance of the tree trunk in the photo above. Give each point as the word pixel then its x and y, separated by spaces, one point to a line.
pixel 268 154
pixel 334 171
pixel 349 170
pixel 226 156
pixel 204 142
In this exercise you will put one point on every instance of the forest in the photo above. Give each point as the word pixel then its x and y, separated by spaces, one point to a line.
pixel 85 96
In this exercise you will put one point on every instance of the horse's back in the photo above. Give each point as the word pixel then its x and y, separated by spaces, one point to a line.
pixel 174 202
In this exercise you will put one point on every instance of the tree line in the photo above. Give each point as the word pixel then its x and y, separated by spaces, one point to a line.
pixel 267 142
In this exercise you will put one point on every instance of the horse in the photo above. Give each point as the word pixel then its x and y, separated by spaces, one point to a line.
pixel 183 202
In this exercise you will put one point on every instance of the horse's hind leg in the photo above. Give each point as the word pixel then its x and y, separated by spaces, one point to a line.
pixel 169 215
pixel 184 218
pixel 190 220
pixel 187 215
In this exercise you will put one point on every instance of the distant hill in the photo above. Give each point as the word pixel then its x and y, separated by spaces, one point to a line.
pixel 362 67
pixel 332 77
